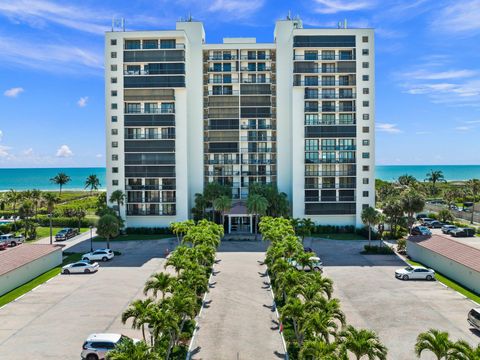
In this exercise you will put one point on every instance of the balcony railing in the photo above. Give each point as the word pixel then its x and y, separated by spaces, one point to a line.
pixel 253 127
pixel 258 173
pixel 225 173
pixel 255 57
pixel 149 111
pixel 256 81
pixel 212 69
pixel 330 161
pixel 258 162
pixel 149 213
pixel 259 150
pixel 148 72
pixel 330 96
pixel 321 122
pixel 338 147
pixel 222 162
pixel 150 187
pixel 159 46
pixel 330 186
pixel 323 57
pixel 223 92
pixel 257 138
pixel 323 83
pixel 329 198
pixel 256 69
pixel 329 173
pixel 149 136
pixel 222 57
pixel 324 70
pixel 330 109
pixel 222 81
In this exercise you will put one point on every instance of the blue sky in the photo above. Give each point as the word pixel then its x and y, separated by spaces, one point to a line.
pixel 52 87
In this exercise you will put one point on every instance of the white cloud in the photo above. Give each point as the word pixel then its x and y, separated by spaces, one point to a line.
pixel 13 92
pixel 423 132
pixel 441 75
pixel 335 6
pixel 463 128
pixel 49 57
pixel 238 8
pixel 64 152
pixel 1 135
pixel 388 128
pixel 4 151
pixel 459 17
pixel 82 102
pixel 28 152
pixel 99 156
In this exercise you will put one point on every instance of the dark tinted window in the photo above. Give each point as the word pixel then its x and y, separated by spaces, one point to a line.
pixel 324 41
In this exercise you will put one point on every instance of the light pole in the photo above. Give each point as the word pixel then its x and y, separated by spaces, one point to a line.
pixel 51 230
pixel 91 238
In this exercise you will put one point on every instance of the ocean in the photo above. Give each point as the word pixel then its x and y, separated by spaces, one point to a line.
pixel 39 178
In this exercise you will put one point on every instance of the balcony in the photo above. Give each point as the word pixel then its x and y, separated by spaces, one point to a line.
pixel 222 162
pixel 323 83
pixel 223 92
pixel 330 186
pixel 222 81
pixel 253 127
pixel 258 162
pixel 339 148
pixel 256 81
pixel 224 57
pixel 329 198
pixel 149 136
pixel 255 57
pixel 330 96
pixel 330 161
pixel 256 69
pixel 150 187
pixel 224 173
pixel 315 109
pixel 258 173
pixel 142 212
pixel 333 70
pixel 319 57
pixel 329 173
pixel 152 47
pixel 259 150
pixel 154 72
pixel 326 122
pixel 212 69
pixel 257 138
pixel 149 111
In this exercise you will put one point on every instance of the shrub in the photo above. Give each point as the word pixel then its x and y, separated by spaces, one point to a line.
pixel 332 229
pixel 43 220
pixel 363 231
pixel 401 245
pixel 377 250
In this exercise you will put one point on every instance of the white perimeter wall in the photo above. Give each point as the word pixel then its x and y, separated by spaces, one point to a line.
pixel 25 273
pixel 455 271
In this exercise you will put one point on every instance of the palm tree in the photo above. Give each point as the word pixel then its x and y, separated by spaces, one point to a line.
pixel 434 177
pixel 36 197
pixel 79 214
pixel 437 342
pixel 13 197
pixel 222 204
pixel 61 179
pixel 363 342
pixel 129 350
pixel 294 310
pixel 321 325
pixel 327 306
pixel 92 182
pixel 27 210
pixel 317 349
pixel 450 196
pixel 180 228
pixel 318 286
pixel 159 282
pixel 50 200
pixel 108 227
pixel 370 217
pixel 412 202
pixel 117 197
pixel 257 205
pixel 473 186
pixel 407 180
pixel 462 350
pixel 138 311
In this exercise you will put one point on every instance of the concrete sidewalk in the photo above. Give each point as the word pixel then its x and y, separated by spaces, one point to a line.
pixel 238 322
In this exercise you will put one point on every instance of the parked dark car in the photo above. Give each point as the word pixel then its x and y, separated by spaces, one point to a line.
pixel 308 249
pixel 463 232
pixel 65 234
pixel 421 215
pixel 421 230
pixel 434 224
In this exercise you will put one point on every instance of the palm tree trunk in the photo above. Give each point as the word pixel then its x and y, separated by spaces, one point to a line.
pixel 256 229
pixel 108 242
pixel 473 210
pixel 60 189
pixel 143 332
pixel 369 235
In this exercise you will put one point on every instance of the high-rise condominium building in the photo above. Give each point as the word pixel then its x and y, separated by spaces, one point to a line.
pixel 298 113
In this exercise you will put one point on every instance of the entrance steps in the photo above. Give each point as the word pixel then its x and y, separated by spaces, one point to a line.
pixel 236 236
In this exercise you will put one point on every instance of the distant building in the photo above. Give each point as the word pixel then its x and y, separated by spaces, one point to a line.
pixel 298 112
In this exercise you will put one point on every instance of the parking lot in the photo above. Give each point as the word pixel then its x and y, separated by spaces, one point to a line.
pixel 52 321
pixel 397 310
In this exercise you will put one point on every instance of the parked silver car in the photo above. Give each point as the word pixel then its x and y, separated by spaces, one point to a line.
pixel 474 318
pixel 97 345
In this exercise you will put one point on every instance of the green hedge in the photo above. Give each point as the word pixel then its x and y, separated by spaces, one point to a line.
pixel 332 229
pixel 148 230
pixel 64 222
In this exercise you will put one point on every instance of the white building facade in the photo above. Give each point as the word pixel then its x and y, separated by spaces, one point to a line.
pixel 298 113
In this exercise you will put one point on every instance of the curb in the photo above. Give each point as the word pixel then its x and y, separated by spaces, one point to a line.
pixel 197 318
pixel 278 316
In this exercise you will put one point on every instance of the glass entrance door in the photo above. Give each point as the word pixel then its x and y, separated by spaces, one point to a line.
pixel 240 224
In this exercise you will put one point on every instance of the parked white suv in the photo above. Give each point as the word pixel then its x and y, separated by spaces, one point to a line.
pixel 97 345
pixel 99 254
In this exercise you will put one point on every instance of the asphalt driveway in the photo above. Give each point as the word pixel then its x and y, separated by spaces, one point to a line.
pixel 397 310
pixel 52 321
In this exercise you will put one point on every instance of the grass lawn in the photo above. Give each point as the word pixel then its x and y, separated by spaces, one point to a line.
pixel 136 237
pixel 19 291
pixel 44 231
pixel 346 236
pixel 451 284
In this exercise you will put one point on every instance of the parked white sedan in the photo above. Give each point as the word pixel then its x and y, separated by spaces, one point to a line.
pixel 80 267
pixel 99 254
pixel 415 272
